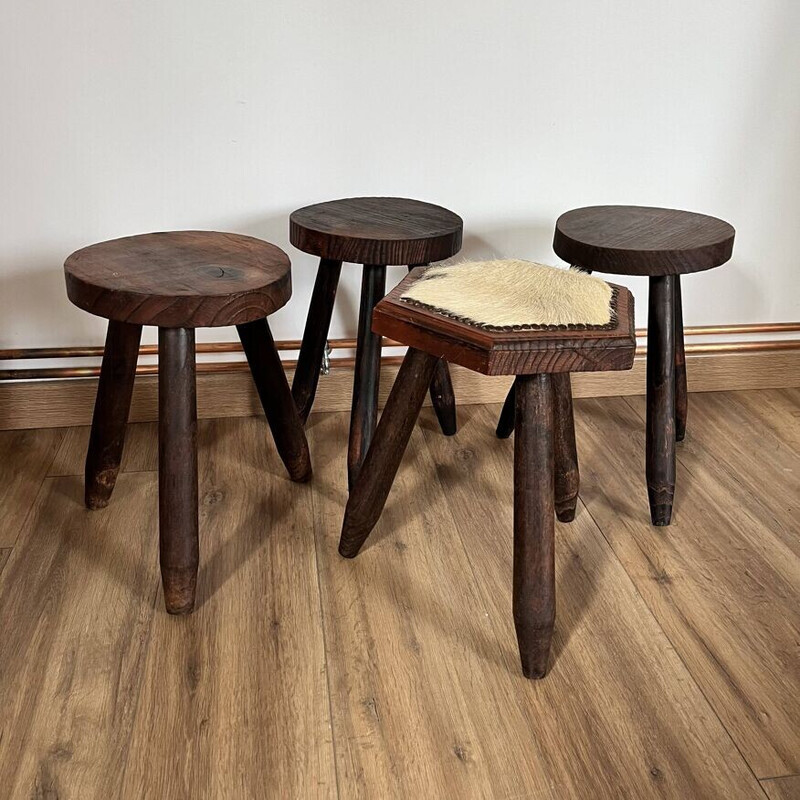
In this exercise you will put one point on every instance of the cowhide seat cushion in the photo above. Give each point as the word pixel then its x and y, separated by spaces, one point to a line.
pixel 512 294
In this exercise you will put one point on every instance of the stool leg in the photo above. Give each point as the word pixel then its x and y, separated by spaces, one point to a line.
pixel 567 476
pixel 364 413
pixel 177 468
pixel 505 425
pixel 681 395
pixel 661 398
pixel 443 397
pixel 111 408
pixel 315 334
pixel 369 493
pixel 276 399
pixel 534 600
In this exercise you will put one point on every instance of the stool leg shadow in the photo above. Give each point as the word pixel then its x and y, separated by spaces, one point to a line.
pixel 177 468
pixel 534 603
pixel 315 334
pixel 111 409
pixel 276 398
pixel 369 492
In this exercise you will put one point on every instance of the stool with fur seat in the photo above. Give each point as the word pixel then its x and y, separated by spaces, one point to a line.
pixel 537 323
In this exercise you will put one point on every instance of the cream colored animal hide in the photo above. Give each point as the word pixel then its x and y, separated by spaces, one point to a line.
pixel 511 293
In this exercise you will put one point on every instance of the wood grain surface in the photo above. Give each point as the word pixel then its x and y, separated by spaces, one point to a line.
pixel 723 581
pixel 302 674
pixel 377 230
pixel 239 687
pixel 180 279
pixel 25 458
pixel 74 641
pixel 786 788
pixel 658 739
pixel 140 453
pixel 638 240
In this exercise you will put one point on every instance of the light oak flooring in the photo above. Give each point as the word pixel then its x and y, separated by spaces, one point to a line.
pixel 676 660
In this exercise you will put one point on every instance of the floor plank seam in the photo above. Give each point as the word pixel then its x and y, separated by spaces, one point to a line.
pixel 493 624
pixel 28 513
pixel 317 545
pixel 780 777
pixel 5 554
pixel 145 653
pixel 121 472
pixel 418 642
pixel 45 476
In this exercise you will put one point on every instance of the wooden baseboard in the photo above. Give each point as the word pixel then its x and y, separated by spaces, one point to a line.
pixel 49 404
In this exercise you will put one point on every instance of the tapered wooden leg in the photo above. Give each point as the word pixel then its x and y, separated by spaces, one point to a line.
pixel 364 413
pixel 534 598
pixel 567 477
pixel 111 409
pixel 681 395
pixel 315 334
pixel 177 468
pixel 276 398
pixel 505 425
pixel 661 398
pixel 443 397
pixel 369 492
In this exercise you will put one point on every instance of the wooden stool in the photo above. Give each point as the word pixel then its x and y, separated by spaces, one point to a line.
pixel 375 232
pixel 180 281
pixel 663 244
pixel 545 460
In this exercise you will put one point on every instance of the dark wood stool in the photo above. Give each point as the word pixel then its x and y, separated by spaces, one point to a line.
pixel 662 244
pixel 545 460
pixel 181 281
pixel 375 232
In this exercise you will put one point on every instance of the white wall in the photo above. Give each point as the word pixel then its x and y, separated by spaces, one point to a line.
pixel 118 118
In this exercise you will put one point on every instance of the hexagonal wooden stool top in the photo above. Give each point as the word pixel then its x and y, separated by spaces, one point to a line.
pixel 522 351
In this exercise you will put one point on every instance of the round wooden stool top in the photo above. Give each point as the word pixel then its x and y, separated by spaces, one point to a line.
pixel 377 230
pixel 636 240
pixel 181 279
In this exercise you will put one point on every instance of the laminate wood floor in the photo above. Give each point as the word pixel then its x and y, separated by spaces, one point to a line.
pixel 676 663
